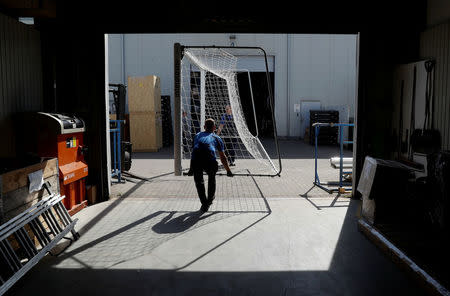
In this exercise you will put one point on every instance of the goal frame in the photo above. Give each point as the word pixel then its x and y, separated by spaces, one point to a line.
pixel 178 56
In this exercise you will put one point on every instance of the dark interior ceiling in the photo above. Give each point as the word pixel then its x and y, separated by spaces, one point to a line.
pixel 253 16
pixel 44 9
pixel 225 16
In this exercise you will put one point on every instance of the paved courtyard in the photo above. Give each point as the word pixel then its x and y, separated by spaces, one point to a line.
pixel 262 236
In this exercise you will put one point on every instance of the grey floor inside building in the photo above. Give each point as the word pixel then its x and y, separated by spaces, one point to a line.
pixel 262 236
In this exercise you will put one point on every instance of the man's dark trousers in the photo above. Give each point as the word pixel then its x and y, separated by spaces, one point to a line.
pixel 210 167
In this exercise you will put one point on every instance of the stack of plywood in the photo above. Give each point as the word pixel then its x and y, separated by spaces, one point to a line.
pixel 144 105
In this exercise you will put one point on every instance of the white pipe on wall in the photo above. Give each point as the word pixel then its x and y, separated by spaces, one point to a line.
pixel 124 78
pixel 288 92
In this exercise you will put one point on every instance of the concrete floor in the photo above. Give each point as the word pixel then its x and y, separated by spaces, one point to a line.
pixel 262 236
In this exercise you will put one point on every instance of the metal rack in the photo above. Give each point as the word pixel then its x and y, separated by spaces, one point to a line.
pixel 329 134
pixel 116 167
pixel 342 186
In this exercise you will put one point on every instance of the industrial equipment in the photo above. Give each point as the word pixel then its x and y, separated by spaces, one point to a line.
pixel 61 136
pixel 328 133
pixel 116 164
pixel 124 151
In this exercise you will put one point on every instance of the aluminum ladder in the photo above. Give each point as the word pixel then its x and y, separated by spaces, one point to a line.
pixel 48 221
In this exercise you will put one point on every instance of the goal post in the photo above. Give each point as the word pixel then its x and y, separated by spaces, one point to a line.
pixel 206 86
pixel 177 53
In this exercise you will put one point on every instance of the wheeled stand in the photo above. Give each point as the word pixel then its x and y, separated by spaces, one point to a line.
pixel 341 163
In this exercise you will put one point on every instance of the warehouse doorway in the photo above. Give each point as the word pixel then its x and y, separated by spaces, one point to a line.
pixel 254 84
pixel 310 68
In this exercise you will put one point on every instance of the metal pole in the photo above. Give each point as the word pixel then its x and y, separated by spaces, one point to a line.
pixel 253 103
pixel 115 148
pixel 271 100
pixel 316 177
pixel 177 109
pixel 202 98
pixel 119 154
pixel 341 152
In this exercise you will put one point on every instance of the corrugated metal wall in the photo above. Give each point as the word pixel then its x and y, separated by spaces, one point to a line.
pixel 20 76
pixel 435 42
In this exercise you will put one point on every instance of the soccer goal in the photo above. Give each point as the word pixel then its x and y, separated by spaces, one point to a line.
pixel 206 86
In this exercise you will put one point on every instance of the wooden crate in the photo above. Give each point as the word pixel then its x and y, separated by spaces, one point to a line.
pixel 146 131
pixel 144 94
pixel 144 105
pixel 14 194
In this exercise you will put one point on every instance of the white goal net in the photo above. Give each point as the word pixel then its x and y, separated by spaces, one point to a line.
pixel 209 89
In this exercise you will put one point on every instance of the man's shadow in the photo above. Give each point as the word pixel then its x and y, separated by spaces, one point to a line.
pixel 179 224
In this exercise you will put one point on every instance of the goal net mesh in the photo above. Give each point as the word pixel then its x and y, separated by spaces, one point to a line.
pixel 209 89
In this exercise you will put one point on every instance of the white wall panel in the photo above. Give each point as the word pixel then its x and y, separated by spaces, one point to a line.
pixel 319 66
pixel 115 61
pixel 322 68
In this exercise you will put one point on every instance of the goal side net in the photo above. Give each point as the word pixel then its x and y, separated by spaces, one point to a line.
pixel 208 88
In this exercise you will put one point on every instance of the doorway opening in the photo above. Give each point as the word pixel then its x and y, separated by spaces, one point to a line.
pixel 313 72
pixel 258 84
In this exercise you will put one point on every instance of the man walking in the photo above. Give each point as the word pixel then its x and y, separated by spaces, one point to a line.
pixel 203 158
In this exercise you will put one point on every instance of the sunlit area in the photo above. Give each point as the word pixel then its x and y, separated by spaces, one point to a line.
pixel 162 151
pixel 243 204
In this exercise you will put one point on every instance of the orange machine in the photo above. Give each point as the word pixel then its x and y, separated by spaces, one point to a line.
pixel 61 136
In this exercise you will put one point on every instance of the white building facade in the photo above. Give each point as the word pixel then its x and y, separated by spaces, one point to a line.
pixel 310 71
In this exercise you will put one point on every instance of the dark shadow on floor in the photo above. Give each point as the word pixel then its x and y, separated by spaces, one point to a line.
pixel 333 203
pixel 115 203
pixel 172 283
pixel 169 224
pixel 353 248
pixel 357 268
pixel 108 209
